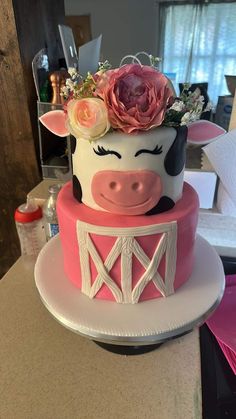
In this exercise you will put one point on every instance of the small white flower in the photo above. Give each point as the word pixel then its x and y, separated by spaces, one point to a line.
pixel 194 115
pixel 190 117
pixel 178 106
pixel 72 71
pixel 185 119
pixel 208 107
pixel 70 84
pixel 64 91
pixel 201 100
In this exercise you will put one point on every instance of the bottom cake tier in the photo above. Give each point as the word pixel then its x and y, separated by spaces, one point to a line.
pixel 127 259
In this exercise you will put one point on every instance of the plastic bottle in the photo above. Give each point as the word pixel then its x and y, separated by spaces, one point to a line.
pixel 49 212
pixel 30 228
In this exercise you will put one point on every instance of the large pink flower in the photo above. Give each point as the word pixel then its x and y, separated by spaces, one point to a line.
pixel 136 97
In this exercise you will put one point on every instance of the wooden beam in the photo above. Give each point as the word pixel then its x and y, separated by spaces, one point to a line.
pixel 18 166
pixel 21 22
pixel 37 27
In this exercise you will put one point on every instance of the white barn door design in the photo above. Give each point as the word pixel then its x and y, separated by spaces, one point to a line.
pixel 125 247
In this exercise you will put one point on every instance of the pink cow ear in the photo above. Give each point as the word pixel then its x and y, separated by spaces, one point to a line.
pixel 202 132
pixel 55 121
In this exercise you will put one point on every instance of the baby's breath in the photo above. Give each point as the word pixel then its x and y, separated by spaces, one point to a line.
pixel 185 109
pixel 154 60
pixel 104 66
pixel 73 72
pixel 88 86
pixel 76 87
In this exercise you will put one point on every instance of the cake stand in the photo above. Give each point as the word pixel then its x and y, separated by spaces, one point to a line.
pixel 145 325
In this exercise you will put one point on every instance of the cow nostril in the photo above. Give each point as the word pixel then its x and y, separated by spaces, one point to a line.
pixel 136 186
pixel 112 185
pixel 115 186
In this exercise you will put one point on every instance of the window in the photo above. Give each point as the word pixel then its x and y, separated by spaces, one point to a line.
pixel 198 44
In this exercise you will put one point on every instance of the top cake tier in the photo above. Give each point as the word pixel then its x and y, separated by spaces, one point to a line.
pixel 131 174
pixel 129 134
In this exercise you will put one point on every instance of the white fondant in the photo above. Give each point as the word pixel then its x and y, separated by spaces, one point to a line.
pixel 125 247
pixel 102 271
pixel 108 264
pixel 171 258
pixel 157 279
pixel 126 268
pixel 84 262
pixel 86 163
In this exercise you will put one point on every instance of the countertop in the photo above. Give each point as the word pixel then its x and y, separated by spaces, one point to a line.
pixel 48 372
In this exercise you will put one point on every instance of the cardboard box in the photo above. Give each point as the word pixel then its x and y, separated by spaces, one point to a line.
pixel 223 111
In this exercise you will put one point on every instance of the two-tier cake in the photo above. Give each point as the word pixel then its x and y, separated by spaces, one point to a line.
pixel 127 221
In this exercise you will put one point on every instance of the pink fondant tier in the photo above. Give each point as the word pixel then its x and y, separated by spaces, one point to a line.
pixel 127 258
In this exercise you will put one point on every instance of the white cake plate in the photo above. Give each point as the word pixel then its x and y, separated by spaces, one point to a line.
pixel 147 323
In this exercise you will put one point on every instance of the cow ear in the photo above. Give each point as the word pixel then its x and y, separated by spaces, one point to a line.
pixel 55 121
pixel 202 132
pixel 175 158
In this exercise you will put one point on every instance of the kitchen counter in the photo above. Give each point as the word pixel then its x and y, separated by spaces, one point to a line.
pixel 48 372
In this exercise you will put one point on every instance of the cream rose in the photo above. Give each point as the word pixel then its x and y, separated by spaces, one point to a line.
pixel 87 118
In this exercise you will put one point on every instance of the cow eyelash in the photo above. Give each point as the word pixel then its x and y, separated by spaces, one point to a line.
pixel 156 150
pixel 101 151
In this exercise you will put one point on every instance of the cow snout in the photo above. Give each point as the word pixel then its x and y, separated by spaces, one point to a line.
pixel 117 185
pixel 126 192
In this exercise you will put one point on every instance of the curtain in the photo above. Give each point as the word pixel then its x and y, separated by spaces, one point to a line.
pixel 198 44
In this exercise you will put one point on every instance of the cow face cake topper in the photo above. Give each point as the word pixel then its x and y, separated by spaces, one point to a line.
pixel 130 133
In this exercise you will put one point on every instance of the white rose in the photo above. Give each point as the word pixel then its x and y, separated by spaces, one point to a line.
pixel 87 118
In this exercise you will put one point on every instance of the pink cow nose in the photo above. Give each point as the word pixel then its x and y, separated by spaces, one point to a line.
pixel 116 186
pixel 129 192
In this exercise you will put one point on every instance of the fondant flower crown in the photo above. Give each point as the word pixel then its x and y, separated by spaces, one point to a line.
pixel 131 98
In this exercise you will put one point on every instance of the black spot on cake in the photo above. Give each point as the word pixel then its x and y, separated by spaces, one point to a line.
pixel 77 191
pixel 72 144
pixel 175 158
pixel 164 204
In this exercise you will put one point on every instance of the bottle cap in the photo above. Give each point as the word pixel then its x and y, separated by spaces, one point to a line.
pixel 27 213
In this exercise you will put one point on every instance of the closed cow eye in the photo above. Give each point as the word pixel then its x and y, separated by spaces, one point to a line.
pixel 156 150
pixel 101 151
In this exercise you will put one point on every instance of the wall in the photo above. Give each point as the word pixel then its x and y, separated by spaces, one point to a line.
pixel 127 26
